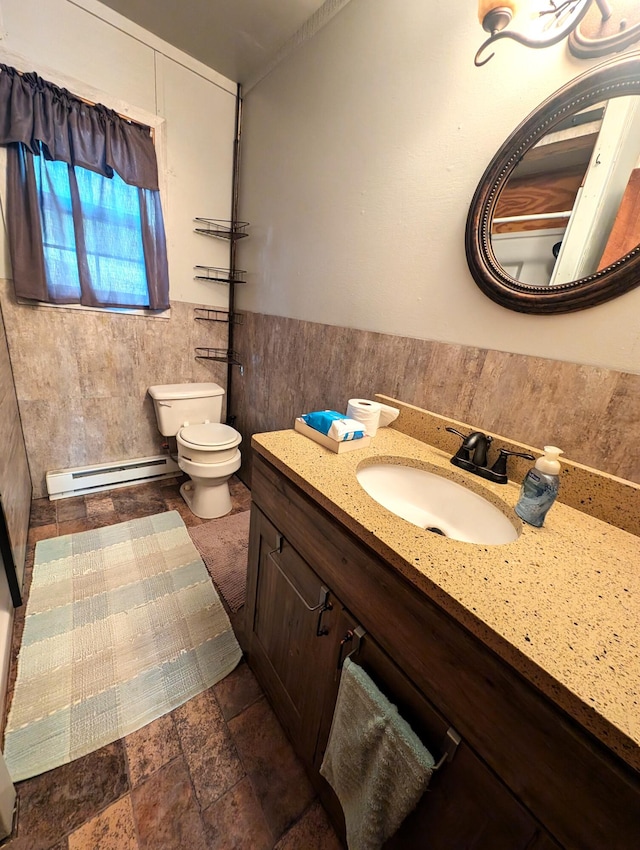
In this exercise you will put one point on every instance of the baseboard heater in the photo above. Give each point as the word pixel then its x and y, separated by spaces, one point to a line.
pixel 62 483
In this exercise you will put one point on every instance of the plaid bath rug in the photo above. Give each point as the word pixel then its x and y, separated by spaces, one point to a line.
pixel 123 625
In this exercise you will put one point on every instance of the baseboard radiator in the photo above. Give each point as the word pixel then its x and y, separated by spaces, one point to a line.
pixel 62 483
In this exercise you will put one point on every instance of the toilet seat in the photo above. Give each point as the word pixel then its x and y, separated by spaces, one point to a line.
pixel 208 442
pixel 209 435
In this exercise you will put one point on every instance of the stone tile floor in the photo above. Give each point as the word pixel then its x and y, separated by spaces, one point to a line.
pixel 216 773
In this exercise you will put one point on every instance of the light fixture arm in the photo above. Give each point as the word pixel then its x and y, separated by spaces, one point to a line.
pixel 605 9
pixel 579 10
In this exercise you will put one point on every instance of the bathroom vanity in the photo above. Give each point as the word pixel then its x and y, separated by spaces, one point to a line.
pixel 539 743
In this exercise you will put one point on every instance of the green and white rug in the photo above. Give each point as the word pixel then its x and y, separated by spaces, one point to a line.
pixel 123 625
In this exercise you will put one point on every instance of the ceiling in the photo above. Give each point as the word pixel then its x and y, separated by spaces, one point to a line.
pixel 237 38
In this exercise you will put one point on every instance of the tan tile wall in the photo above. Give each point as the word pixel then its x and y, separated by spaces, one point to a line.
pixel 15 481
pixel 81 378
pixel 292 367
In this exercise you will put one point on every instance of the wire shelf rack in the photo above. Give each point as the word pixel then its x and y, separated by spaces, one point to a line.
pixel 218 275
pixel 222 355
pixel 221 228
pixel 210 314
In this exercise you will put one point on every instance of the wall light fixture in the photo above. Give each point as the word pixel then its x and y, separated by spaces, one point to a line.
pixel 594 27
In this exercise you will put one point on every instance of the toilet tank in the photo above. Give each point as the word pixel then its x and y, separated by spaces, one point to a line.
pixel 176 404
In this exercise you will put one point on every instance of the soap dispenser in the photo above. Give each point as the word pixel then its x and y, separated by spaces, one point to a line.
pixel 540 487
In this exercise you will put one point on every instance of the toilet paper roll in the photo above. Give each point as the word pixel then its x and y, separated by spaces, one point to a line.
pixel 366 412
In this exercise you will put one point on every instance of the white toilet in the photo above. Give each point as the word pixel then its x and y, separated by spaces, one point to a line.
pixel 207 450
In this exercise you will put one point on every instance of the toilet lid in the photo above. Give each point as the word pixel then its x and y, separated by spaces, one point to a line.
pixel 210 435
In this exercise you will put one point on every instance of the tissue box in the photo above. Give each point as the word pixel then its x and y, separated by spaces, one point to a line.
pixel 335 446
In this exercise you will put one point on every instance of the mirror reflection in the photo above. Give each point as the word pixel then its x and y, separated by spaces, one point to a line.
pixel 572 204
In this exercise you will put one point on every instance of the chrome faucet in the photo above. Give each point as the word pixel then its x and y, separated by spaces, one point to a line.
pixel 473 452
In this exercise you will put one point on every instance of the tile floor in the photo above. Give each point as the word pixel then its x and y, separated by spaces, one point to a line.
pixel 216 773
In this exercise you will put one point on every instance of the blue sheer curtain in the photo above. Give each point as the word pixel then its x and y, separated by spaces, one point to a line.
pixel 58 232
pixel 110 234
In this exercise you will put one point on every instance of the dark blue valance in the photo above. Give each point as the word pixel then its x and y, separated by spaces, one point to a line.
pixel 44 117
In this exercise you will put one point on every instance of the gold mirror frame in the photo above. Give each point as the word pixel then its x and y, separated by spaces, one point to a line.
pixel 611 79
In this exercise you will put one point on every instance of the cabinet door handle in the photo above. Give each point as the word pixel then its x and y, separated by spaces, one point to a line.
pixel 451 743
pixel 321 630
pixel 323 603
pixel 353 636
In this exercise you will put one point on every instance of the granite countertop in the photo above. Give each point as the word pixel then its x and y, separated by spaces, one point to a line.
pixel 561 604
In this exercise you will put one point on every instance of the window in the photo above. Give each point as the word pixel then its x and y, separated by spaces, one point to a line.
pixel 109 226
pixel 84 215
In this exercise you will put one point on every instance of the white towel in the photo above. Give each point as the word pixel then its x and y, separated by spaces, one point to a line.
pixel 374 761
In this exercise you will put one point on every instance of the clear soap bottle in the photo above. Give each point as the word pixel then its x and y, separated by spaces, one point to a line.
pixel 540 487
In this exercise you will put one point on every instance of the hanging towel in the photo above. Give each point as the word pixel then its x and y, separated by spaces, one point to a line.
pixel 374 761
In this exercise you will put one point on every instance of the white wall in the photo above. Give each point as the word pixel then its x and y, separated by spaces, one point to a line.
pixel 97 53
pixel 361 153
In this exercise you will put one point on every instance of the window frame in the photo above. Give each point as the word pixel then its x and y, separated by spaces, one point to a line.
pixel 92 96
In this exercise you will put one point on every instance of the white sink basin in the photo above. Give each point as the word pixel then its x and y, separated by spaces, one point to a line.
pixel 436 503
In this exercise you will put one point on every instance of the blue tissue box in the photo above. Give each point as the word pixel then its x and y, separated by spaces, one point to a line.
pixel 335 425
pixel 338 447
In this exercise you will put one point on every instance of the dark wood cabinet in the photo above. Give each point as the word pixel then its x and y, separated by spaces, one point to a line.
pixel 292 624
pixel 522 776
pixel 300 634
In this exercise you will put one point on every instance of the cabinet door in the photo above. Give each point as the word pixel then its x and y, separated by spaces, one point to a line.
pixel 292 634
pixel 465 806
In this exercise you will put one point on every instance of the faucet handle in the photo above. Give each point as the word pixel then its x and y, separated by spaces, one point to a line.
pixel 462 457
pixel 454 431
pixel 499 468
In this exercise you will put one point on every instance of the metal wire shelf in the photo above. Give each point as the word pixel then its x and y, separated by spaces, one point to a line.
pixel 222 355
pixel 209 314
pixel 222 228
pixel 219 275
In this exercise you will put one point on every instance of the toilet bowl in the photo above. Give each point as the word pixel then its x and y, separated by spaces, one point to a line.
pixel 207 493
pixel 208 454
pixel 207 449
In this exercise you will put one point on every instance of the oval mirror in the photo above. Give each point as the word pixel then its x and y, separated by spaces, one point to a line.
pixel 554 225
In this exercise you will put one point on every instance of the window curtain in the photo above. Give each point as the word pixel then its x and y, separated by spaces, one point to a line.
pixel 40 120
